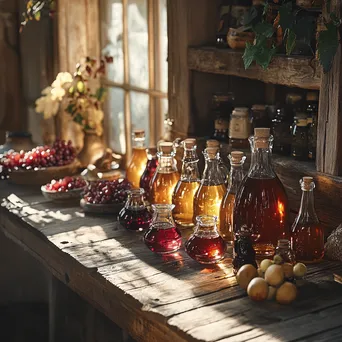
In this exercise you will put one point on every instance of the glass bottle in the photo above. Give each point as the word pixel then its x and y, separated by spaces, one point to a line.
pixel 299 149
pixel 209 195
pixel 312 112
pixel 227 206
pixel 260 116
pixel 138 161
pixel 183 195
pixel 281 130
pixel 307 234
pixel 166 177
pixel 151 167
pixel 135 215
pixel 205 245
pixel 216 144
pixel 285 251
pixel 261 204
pixel 239 128
pixel 163 236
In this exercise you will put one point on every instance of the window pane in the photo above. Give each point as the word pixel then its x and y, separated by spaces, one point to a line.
pixel 163 45
pixel 117 120
pixel 138 43
pixel 112 39
pixel 140 108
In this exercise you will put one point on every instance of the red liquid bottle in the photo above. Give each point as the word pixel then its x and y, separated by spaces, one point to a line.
pixel 134 215
pixel 205 245
pixel 261 205
pixel 307 234
pixel 150 170
pixel 163 237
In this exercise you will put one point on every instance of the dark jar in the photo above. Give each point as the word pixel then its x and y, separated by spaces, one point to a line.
pixel 281 131
pixel 260 117
pixel 299 149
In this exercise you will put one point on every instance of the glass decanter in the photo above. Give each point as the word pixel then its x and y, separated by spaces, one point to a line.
pixel 138 161
pixel 151 167
pixel 135 215
pixel 223 165
pixel 261 204
pixel 209 195
pixel 205 245
pixel 227 206
pixel 183 195
pixel 307 234
pixel 285 251
pixel 166 177
pixel 163 237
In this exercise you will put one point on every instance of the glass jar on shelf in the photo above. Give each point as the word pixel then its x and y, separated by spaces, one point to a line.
pixel 135 215
pixel 239 128
pixel 260 116
pixel 205 245
pixel 163 237
pixel 299 150
pixel 285 251
pixel 312 113
pixel 281 130
pixel 137 164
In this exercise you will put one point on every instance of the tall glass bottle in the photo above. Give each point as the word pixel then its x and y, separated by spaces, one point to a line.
pixel 227 206
pixel 209 195
pixel 307 234
pixel 166 177
pixel 183 195
pixel 216 144
pixel 138 161
pixel 151 167
pixel 261 204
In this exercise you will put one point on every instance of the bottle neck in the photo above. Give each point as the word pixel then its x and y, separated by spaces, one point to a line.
pixel 166 163
pixel 212 174
pixel 135 202
pixel 139 143
pixel 163 219
pixel 190 171
pixel 307 208
pixel 236 176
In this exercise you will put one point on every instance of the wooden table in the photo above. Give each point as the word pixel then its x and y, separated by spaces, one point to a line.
pixel 155 298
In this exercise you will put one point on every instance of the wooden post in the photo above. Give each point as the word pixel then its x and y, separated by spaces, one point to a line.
pixel 329 134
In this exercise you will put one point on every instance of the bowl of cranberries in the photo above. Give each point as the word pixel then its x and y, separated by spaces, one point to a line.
pixel 67 188
pixel 105 197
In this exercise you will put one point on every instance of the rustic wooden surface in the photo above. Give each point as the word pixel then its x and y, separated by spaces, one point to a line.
pixel 155 298
pixel 290 71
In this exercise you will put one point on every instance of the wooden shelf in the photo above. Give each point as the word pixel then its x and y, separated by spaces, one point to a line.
pixel 302 72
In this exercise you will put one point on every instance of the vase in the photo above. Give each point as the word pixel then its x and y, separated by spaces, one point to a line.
pixel 93 149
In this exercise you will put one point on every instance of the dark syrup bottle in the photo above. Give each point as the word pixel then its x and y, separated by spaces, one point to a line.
pixel 150 170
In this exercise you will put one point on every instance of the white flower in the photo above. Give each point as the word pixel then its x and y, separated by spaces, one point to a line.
pixel 57 94
pixel 61 79
pixel 46 91
pixel 47 106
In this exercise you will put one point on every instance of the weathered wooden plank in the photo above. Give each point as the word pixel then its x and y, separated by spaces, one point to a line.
pixel 331 335
pixel 299 72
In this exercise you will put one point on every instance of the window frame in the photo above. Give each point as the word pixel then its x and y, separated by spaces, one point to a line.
pixel 156 122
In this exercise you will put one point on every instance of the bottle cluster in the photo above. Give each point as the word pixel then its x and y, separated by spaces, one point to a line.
pixel 225 207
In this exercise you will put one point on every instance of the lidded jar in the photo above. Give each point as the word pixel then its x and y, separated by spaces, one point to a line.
pixel 285 251
pixel 239 128
pixel 205 245
pixel 307 234
pixel 135 215
pixel 166 176
pixel 151 167
pixel 163 236
pixel 137 164
pixel 261 204
pixel 185 190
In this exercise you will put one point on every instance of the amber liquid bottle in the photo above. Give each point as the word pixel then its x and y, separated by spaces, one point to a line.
pixel 227 207
pixel 209 195
pixel 166 177
pixel 261 204
pixel 307 234
pixel 137 164
pixel 183 195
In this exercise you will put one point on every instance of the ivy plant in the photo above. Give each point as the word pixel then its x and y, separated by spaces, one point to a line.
pixel 295 24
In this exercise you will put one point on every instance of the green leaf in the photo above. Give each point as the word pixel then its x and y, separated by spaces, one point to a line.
pixel 264 55
pixel 253 16
pixel 305 29
pixel 71 108
pixel 37 16
pixel 78 118
pixel 286 16
pixel 249 55
pixel 264 29
pixel 327 46
pixel 290 41
pixel 100 93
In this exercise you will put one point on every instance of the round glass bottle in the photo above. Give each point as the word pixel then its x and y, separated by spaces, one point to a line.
pixel 163 236
pixel 151 167
pixel 137 164
pixel 135 215
pixel 185 190
pixel 307 234
pixel 166 176
pixel 239 128
pixel 205 245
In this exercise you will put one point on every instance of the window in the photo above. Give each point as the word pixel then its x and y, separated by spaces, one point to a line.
pixel 134 32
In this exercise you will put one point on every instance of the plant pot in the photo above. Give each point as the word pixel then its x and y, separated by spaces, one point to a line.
pixel 93 149
pixel 237 39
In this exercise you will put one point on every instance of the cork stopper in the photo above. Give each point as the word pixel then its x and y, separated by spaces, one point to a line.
pixel 152 150
pixel 236 156
pixel 307 183
pixel 166 147
pixel 211 152
pixel 213 143
pixel 261 136
pixel 139 133
pixel 189 143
